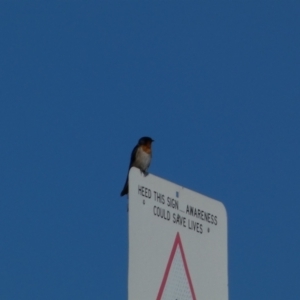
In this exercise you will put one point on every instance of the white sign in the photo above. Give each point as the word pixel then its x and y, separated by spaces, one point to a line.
pixel 177 242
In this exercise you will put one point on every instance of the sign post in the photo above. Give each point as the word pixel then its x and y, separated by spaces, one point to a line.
pixel 177 242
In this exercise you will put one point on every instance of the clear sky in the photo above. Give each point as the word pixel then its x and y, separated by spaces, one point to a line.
pixel 216 84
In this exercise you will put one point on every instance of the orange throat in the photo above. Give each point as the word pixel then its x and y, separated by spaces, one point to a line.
pixel 147 148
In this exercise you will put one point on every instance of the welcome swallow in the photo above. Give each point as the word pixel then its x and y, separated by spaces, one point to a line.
pixel 140 158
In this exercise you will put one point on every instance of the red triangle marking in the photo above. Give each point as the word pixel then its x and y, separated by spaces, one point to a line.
pixel 177 242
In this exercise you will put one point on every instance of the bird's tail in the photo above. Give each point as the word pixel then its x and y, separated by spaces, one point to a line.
pixel 125 188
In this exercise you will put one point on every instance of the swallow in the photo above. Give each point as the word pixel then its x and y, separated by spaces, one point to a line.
pixel 140 158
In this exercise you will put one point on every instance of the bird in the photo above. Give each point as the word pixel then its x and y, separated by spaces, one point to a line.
pixel 140 158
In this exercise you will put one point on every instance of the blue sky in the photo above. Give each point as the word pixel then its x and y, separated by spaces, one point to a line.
pixel 215 83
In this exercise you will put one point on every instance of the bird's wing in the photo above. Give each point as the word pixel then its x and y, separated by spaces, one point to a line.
pixel 133 156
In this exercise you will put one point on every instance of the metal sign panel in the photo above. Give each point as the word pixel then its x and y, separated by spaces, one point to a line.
pixel 177 242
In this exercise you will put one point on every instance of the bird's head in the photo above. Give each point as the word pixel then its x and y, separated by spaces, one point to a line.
pixel 145 141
